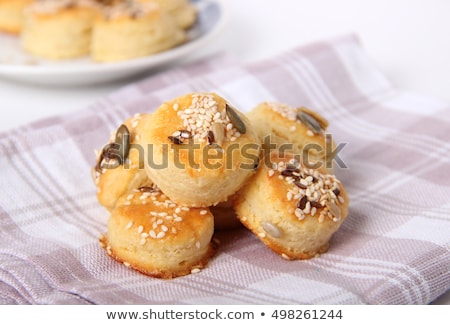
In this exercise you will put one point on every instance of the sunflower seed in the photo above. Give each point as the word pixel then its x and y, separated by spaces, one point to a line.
pixel 271 229
pixel 310 122
pixel 235 119
pixel 146 189
pixel 185 134
pixel 210 137
pixel 175 140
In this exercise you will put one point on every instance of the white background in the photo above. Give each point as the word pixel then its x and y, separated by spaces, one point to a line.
pixel 409 40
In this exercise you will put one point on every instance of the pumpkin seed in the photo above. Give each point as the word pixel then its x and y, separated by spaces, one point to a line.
pixel 235 119
pixel 334 210
pixel 310 122
pixel 123 140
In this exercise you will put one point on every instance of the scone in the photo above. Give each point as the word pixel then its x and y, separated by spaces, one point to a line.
pixel 183 11
pixel 155 236
pixel 120 164
pixel 59 29
pixel 130 30
pixel 292 209
pixel 202 149
pixel 296 130
pixel 11 15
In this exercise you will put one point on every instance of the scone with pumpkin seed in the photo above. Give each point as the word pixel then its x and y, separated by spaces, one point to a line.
pixel 296 130
pixel 292 209
pixel 202 149
pixel 120 163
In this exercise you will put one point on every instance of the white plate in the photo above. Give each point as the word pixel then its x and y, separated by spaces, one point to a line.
pixel 18 65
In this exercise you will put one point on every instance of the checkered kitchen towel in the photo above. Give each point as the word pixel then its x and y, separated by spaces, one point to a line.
pixel 392 249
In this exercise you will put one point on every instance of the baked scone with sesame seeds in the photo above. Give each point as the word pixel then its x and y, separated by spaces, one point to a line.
pixel 294 129
pixel 292 209
pixel 155 236
pixel 59 29
pixel 183 11
pixel 130 29
pixel 202 149
pixel 120 164
pixel 11 15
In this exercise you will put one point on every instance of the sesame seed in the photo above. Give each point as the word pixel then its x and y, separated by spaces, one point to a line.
pixel 162 214
pixel 129 197
pixel 143 241
pixel 152 233
pixel 262 235
pixel 176 106
pixel 283 255
pixel 126 264
pixel 160 235
pixel 164 228
pixel 321 218
pixel 178 219
pixel 196 270
pixel 144 235
pixel 177 210
pixel 197 244
pixel 203 212
pixel 129 225
pixel 185 209
pixel 271 172
pixel 160 221
pixel 140 229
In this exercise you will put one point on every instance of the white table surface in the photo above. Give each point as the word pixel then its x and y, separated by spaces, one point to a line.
pixel 408 40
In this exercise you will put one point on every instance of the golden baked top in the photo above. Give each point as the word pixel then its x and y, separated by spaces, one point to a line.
pixel 314 192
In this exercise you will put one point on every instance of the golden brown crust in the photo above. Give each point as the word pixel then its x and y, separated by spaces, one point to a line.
pixel 292 221
pixel 11 15
pixel 184 13
pixel 65 34
pixel 280 122
pixel 112 183
pixel 126 36
pixel 200 173
pixel 155 236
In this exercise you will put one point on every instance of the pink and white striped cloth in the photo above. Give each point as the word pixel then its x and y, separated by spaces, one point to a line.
pixel 392 249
